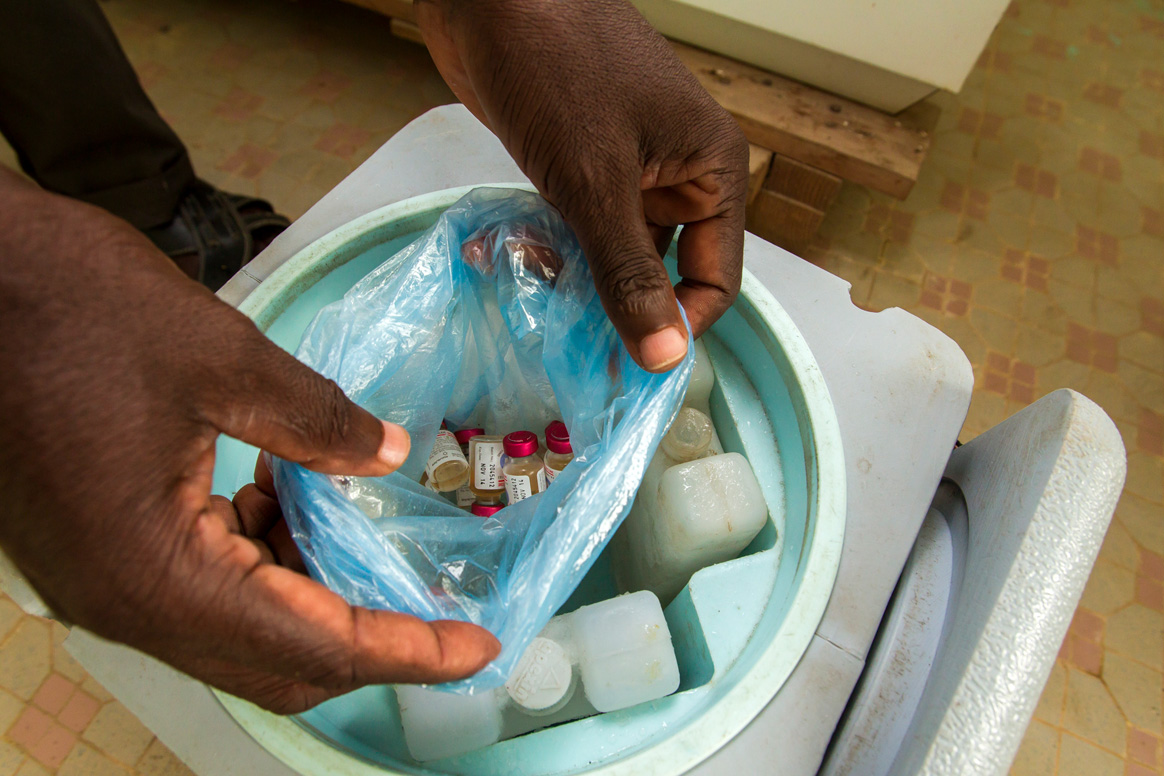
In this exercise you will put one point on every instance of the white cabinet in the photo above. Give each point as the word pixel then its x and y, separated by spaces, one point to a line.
pixel 885 54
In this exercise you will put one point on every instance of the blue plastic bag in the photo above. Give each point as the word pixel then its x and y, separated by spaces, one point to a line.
pixel 489 320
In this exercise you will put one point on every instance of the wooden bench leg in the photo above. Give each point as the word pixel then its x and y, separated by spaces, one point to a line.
pixel 759 164
pixel 792 202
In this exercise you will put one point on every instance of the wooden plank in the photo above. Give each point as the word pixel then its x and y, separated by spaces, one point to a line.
pixel 782 220
pixel 397 9
pixel 796 180
pixel 852 141
pixel 759 160
pixel 849 140
pixel 402 28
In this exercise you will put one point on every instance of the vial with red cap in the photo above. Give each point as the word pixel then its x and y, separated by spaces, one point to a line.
pixel 524 469
pixel 486 510
pixel 558 450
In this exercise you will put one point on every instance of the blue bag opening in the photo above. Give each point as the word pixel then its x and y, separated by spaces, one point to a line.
pixel 490 320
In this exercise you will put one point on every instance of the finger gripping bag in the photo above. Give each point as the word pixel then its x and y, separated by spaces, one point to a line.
pixel 489 320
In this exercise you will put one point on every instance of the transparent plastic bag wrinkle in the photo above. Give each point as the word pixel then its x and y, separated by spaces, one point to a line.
pixel 489 320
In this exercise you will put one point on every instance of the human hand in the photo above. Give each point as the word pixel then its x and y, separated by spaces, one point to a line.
pixel 119 373
pixel 612 129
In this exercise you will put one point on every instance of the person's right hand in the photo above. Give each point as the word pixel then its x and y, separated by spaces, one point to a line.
pixel 598 111
pixel 118 375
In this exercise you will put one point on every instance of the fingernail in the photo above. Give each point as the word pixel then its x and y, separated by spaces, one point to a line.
pixel 663 349
pixel 395 445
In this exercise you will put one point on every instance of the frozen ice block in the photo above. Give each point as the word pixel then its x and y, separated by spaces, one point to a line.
pixel 687 517
pixel 625 652
pixel 711 509
pixel 602 657
pixel 688 438
pixel 440 724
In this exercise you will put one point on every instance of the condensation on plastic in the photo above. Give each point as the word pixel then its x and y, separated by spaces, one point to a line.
pixel 490 320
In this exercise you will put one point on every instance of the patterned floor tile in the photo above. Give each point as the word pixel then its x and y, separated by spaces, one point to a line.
pixel 1034 238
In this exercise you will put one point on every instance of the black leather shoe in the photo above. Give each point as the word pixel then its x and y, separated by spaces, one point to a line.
pixel 215 233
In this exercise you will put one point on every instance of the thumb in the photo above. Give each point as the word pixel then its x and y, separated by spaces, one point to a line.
pixel 632 281
pixel 266 397
pixel 298 628
pixel 270 618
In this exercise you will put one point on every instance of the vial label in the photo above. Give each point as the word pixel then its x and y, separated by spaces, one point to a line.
pixel 519 486
pixel 549 474
pixel 465 497
pixel 444 450
pixel 487 465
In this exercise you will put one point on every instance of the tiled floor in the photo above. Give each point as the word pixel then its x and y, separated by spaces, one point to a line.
pixel 1035 239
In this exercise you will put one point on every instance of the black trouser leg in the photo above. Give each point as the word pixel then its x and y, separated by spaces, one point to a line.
pixel 81 124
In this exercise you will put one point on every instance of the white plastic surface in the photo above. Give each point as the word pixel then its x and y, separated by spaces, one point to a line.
pixel 936 43
pixel 882 708
pixel 899 387
pixel 1040 489
pixel 18 588
pixel 987 596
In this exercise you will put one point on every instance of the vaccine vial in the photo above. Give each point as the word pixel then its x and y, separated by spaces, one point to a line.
pixel 486 510
pixel 447 468
pixel 524 470
pixel 486 480
pixel 464 495
pixel 558 450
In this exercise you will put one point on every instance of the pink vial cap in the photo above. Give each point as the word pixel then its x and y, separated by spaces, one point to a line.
pixel 485 510
pixel 520 444
pixel 464 435
pixel 558 438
